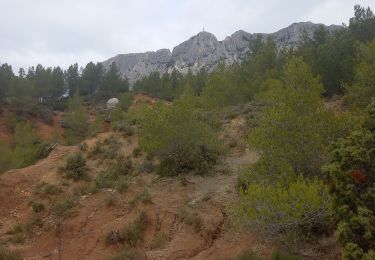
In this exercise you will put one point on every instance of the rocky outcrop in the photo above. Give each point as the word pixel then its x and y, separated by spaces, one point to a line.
pixel 205 51
pixel 135 66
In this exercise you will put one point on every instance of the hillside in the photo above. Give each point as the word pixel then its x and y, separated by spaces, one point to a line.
pixel 185 217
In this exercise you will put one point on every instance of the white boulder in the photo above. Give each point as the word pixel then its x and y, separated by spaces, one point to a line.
pixel 112 103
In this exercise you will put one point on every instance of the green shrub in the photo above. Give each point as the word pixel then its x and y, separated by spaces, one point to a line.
pixel 83 146
pixel 96 150
pixel 247 255
pixel 131 234
pixel 159 241
pixel 278 254
pixel 64 207
pixel 191 218
pixel 25 150
pixel 18 234
pixel 76 168
pixel 75 120
pixel 351 178
pixel 105 179
pixel 137 152
pixel 6 254
pixel 289 212
pixel 122 184
pixel 123 167
pixel 143 197
pixel 50 189
pixel 37 206
pixel 182 142
pixel 128 254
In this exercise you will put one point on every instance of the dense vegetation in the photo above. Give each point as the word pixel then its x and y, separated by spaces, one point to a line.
pixel 315 173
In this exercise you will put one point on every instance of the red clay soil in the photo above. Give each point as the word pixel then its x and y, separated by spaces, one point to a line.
pixel 83 233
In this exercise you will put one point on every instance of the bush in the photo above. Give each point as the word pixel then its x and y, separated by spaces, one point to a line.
pixel 37 206
pixel 247 255
pixel 351 177
pixel 75 120
pixel 18 234
pixel 97 150
pixel 159 241
pixel 191 218
pixel 76 168
pixel 83 146
pixel 131 234
pixel 128 254
pixel 6 254
pixel 115 176
pixel 64 207
pixel 278 254
pixel 25 150
pixel 49 189
pixel 137 152
pixel 288 212
pixel 182 141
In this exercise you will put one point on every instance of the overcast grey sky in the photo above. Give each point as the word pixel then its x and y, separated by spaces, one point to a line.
pixel 61 32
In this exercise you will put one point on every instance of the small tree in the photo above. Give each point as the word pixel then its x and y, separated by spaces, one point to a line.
pixel 294 128
pixel 363 90
pixel 76 121
pixel 182 141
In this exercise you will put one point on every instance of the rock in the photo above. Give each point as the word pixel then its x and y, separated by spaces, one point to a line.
pixel 112 103
pixel 205 51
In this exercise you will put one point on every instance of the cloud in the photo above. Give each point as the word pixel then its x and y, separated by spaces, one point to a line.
pixel 67 31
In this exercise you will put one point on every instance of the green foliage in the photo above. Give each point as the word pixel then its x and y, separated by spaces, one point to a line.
pixel 18 234
pixel 239 83
pixel 25 149
pixel 131 234
pixel 183 142
pixel 362 25
pixel 75 168
pixel 191 218
pixel 75 119
pixel 351 177
pixel 64 207
pixel 6 254
pixel 159 241
pixel 288 211
pixel 294 127
pixel 128 254
pixel 112 82
pixel 126 101
pixel 362 92
pixel 278 254
pixel 247 255
pixel 37 206
pixel 115 176
pixel 51 190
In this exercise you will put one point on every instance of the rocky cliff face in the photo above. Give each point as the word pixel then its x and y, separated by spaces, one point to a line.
pixel 204 51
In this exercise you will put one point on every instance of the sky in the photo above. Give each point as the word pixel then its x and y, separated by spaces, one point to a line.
pixel 62 32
